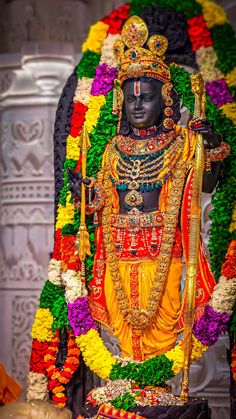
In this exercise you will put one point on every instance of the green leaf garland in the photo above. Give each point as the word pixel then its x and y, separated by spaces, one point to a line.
pixel 225 46
pixel 53 298
pixel 125 402
pixel 88 64
pixel 152 372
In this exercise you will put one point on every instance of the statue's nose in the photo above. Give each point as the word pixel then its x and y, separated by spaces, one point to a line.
pixel 138 103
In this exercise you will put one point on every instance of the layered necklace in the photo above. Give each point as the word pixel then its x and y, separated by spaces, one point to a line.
pixel 143 165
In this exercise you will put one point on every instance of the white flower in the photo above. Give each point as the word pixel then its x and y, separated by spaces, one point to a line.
pixel 37 389
pixel 107 55
pixel 54 272
pixel 82 92
pixel 206 59
pixel 223 296
pixel 74 287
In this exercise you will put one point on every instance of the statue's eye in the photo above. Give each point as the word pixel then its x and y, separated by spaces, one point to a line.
pixel 130 98
pixel 148 98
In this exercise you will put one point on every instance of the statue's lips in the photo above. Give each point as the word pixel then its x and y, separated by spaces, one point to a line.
pixel 138 115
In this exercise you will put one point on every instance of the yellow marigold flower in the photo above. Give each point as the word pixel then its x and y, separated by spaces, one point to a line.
pixel 95 354
pixel 72 148
pixel 96 36
pixel 232 226
pixel 176 354
pixel 65 213
pixel 213 14
pixel 229 109
pixel 42 327
pixel 198 349
pixel 231 77
pixel 92 115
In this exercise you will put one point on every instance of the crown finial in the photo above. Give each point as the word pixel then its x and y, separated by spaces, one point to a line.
pixel 134 32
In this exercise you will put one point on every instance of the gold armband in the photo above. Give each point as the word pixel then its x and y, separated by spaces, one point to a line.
pixel 98 201
pixel 216 154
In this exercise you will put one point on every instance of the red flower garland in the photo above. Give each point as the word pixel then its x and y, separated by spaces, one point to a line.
pixel 37 363
pixel 199 35
pixel 57 245
pixel 116 19
pixel 77 120
pixel 59 378
pixel 229 266
pixel 68 257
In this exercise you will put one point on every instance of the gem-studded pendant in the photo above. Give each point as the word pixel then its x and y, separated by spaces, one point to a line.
pixel 134 199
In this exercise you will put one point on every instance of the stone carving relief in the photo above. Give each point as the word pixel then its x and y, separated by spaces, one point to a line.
pixel 26 140
pixel 23 310
pixel 23 260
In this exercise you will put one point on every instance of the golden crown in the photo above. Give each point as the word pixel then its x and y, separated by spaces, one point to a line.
pixel 137 61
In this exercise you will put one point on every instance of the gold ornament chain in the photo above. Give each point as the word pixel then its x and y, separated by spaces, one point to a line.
pixel 139 318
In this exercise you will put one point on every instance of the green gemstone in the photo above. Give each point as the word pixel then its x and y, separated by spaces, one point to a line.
pixel 133 54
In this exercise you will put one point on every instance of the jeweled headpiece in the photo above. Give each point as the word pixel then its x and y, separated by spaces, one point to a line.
pixel 137 61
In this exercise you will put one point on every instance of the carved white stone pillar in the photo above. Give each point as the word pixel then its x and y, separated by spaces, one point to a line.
pixel 32 88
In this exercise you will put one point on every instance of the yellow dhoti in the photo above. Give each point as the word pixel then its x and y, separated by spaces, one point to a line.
pixel 161 335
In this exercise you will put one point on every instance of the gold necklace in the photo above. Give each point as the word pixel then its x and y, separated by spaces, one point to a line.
pixel 137 174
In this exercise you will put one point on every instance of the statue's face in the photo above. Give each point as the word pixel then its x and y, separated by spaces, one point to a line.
pixel 143 102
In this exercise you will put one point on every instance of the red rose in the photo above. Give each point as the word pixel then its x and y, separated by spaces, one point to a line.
pixel 78 118
pixel 198 33
pixel 56 252
pixel 229 269
pixel 116 19
pixel 37 363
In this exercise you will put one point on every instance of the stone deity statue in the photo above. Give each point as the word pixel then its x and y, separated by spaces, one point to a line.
pixel 144 173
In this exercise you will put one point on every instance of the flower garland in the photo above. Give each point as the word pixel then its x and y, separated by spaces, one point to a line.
pixel 59 378
pixel 212 41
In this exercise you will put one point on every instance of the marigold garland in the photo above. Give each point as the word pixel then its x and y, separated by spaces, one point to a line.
pixel 94 106
pixel 213 14
pixel 65 213
pixel 42 327
pixel 95 354
pixel 97 34
pixel 58 378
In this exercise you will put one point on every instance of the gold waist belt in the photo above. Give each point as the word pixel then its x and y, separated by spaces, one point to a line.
pixel 137 219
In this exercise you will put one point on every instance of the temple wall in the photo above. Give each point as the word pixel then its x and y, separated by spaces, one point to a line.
pixel 40 45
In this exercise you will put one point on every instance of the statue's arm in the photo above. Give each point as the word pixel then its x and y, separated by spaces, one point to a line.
pixel 215 151
pixel 95 195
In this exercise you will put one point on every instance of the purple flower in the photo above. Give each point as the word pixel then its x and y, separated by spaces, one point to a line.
pixel 219 92
pixel 210 326
pixel 103 81
pixel 80 317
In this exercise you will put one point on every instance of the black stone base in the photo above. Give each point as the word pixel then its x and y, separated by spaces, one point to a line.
pixel 194 409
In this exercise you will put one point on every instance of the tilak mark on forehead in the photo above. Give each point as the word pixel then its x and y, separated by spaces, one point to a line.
pixel 137 90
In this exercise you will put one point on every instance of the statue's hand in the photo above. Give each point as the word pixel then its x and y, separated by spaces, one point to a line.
pixel 211 138
pixel 76 181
